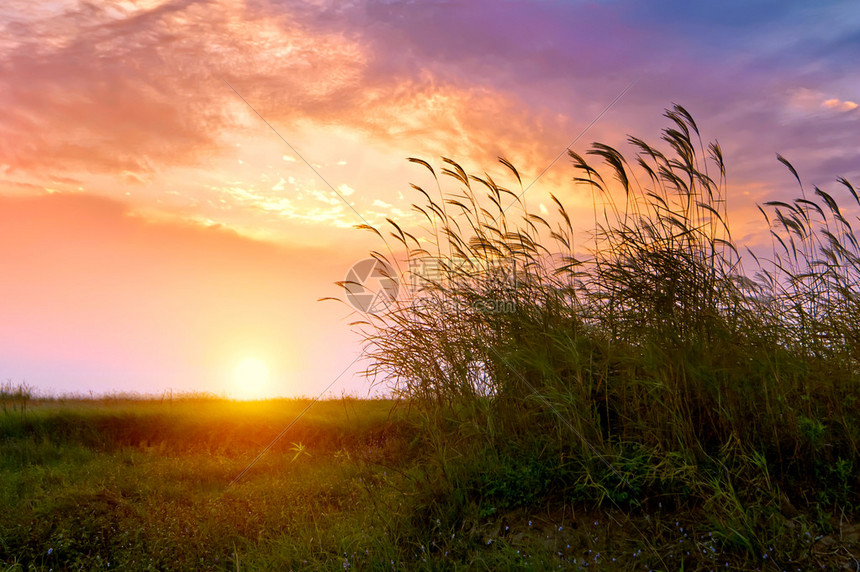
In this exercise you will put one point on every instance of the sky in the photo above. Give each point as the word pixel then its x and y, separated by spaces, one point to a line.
pixel 180 180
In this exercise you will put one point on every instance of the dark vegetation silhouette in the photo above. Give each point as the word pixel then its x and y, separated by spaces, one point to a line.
pixel 656 364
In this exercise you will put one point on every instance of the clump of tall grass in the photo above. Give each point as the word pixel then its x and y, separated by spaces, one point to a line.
pixel 15 397
pixel 644 363
pixel 813 277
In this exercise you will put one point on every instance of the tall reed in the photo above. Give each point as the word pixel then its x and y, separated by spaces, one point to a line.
pixel 646 361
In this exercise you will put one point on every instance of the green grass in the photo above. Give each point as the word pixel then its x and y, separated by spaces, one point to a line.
pixel 145 484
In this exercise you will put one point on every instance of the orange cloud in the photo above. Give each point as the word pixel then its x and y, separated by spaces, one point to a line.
pixel 839 105
pixel 810 101
pixel 104 88
pixel 142 89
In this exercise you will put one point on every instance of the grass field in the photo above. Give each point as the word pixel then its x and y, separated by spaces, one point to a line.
pixel 658 399
pixel 146 484
pixel 123 483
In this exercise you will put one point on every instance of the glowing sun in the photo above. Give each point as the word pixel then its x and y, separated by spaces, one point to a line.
pixel 251 377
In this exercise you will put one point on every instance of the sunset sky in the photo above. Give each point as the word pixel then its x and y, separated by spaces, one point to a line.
pixel 156 232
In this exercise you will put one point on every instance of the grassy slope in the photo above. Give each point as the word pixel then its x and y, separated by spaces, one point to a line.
pixel 145 485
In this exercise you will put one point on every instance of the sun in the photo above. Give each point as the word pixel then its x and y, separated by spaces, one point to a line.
pixel 251 377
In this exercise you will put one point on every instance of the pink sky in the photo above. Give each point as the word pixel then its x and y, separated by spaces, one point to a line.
pixel 156 231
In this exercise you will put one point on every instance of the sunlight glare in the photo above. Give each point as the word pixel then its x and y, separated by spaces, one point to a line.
pixel 251 377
